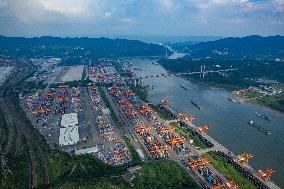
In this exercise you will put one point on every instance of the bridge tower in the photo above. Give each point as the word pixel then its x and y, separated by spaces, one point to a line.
pixel 202 71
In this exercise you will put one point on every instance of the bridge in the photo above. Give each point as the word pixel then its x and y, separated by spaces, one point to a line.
pixel 202 73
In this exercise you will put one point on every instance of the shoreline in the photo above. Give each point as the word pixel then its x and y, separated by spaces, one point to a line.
pixel 255 102
pixel 233 92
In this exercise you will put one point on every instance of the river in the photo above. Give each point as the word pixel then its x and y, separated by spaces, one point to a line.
pixel 227 121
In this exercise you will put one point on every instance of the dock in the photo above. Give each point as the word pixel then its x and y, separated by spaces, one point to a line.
pixel 246 170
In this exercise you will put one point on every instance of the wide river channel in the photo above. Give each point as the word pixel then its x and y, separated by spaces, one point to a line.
pixel 228 122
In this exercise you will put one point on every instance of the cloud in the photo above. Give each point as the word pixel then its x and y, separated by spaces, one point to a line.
pixel 108 14
pixel 119 17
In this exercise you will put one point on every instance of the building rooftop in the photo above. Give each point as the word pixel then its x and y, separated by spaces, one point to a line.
pixel 68 136
pixel 69 120
pixel 90 150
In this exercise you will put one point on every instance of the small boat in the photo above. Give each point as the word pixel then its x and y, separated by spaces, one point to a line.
pixel 252 124
pixel 196 104
pixel 233 100
pixel 182 86
pixel 262 116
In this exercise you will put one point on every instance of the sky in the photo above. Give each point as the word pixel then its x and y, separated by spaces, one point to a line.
pixel 95 18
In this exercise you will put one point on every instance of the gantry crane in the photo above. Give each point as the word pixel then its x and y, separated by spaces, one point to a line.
pixel 243 158
pixel 203 129
pixel 164 102
pixel 140 129
pixel 265 174
pixel 185 117
pixel 37 112
pixel 175 141
pixel 165 129
pixel 203 162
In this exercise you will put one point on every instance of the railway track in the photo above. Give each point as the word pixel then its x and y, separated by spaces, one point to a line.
pixel 16 121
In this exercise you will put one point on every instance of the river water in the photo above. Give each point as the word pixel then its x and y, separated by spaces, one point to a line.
pixel 227 121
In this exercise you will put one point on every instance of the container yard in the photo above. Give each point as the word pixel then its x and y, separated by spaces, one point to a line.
pixel 94 119
pixel 75 118
pixel 103 74
pixel 49 110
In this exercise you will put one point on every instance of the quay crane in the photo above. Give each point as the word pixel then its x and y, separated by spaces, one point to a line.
pixel 185 117
pixel 164 102
pixel 265 174
pixel 228 185
pixel 243 158
pixel 203 129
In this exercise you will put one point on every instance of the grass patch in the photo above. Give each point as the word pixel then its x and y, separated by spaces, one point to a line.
pixel 19 167
pixel 225 168
pixel 160 113
pixel 140 91
pixel 182 131
pixel 275 101
pixel 166 174
pixel 121 71
pixel 135 156
pixel 3 131
pixel 112 113
pixel 89 172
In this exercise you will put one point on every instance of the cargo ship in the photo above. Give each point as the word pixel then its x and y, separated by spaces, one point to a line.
pixel 196 104
pixel 252 124
pixel 262 116
pixel 182 86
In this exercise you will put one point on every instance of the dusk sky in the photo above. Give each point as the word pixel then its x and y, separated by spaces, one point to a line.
pixel 96 18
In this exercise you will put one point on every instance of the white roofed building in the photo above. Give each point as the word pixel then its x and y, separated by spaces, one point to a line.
pixel 69 132
pixel 68 136
pixel 69 120
pixel 90 150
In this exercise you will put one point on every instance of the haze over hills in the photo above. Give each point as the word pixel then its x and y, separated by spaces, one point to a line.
pixel 171 39
pixel 250 46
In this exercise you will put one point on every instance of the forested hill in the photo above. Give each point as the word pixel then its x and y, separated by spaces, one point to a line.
pixel 85 47
pixel 251 46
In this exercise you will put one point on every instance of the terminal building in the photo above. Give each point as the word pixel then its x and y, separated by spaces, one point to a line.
pixel 69 132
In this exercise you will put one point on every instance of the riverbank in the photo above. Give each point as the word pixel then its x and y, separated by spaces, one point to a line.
pixel 228 170
pixel 227 121
pixel 261 102
pixel 245 76
pixel 269 102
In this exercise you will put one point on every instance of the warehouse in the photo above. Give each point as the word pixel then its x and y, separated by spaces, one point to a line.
pixel 69 120
pixel 90 150
pixel 69 133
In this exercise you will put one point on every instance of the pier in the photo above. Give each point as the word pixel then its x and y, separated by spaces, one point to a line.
pixel 246 170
